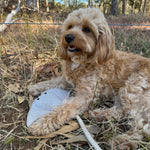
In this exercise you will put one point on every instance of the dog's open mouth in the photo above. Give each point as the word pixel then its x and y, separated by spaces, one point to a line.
pixel 73 49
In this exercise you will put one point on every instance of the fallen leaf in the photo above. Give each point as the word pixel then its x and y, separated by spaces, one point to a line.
pixel 30 101
pixel 9 140
pixel 93 129
pixel 79 138
pixel 72 139
pixel 21 99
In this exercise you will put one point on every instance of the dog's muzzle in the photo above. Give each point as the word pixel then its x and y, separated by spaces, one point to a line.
pixel 69 38
pixel 73 49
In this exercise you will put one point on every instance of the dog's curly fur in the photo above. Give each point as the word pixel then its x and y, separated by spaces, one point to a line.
pixel 93 67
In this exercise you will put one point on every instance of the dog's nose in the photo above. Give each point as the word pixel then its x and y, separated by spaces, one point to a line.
pixel 69 38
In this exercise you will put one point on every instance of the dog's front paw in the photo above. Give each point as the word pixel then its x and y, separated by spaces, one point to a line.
pixel 41 126
pixel 34 90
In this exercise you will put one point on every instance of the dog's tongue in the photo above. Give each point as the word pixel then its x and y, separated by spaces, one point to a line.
pixel 72 48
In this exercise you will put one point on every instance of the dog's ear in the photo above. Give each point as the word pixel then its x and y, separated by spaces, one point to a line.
pixel 62 52
pixel 105 46
pixel 61 49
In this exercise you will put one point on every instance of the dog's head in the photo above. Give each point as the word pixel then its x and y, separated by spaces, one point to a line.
pixel 86 37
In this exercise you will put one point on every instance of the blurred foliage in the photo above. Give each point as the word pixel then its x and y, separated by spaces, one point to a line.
pixel 29 6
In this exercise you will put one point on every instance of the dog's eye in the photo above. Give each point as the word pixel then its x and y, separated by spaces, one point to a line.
pixel 86 29
pixel 70 27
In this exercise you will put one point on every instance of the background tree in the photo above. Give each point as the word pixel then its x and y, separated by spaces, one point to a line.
pixel 104 6
pixel 52 4
pixel 89 3
pixel 124 3
pixel 140 6
pixel 144 8
pixel 114 5
pixel 132 4
pixel 47 6
pixel 32 4
pixel 38 5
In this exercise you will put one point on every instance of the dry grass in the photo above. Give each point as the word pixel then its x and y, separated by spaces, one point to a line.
pixel 28 55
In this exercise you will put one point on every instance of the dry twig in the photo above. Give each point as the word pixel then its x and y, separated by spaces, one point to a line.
pixel 87 134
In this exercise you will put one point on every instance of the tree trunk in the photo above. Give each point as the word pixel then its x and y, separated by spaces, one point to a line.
pixel 38 6
pixel 92 3
pixel 89 3
pixel 140 6
pixel 9 18
pixel 104 7
pixel 76 3
pixel 32 4
pixel 144 8
pixel 53 4
pixel 114 5
pixel 69 3
pixel 124 3
pixel 133 6
pixel 47 7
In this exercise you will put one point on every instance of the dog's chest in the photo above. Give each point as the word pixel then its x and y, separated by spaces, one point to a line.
pixel 94 78
pixel 74 66
pixel 77 72
pixel 88 76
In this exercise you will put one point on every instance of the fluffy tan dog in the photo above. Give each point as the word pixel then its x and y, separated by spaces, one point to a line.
pixel 92 67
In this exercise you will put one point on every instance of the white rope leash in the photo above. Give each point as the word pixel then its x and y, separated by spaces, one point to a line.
pixel 87 134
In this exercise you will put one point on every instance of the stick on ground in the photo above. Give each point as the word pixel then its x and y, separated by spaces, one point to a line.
pixel 87 134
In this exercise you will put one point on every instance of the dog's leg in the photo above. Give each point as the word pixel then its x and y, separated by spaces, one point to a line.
pixel 61 114
pixel 58 82
pixel 125 141
pixel 109 113
pixel 135 100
